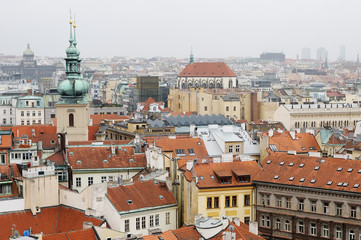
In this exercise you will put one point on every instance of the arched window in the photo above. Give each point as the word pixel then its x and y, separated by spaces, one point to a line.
pixel 278 223
pixel 352 235
pixel 230 84
pixel 71 120
pixel 219 85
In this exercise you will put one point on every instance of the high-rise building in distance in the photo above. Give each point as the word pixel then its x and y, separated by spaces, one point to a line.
pixel 342 56
pixel 321 54
pixel 306 53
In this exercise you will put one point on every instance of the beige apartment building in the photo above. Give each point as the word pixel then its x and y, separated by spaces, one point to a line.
pixel 232 103
pixel 318 115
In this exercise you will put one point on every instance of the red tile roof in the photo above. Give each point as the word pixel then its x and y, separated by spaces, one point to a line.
pixel 334 94
pixel 171 145
pixel 87 234
pixel 20 130
pixel 303 142
pixel 143 194
pixel 51 220
pixel 97 118
pixel 322 170
pixel 92 130
pixel 149 101
pixel 231 169
pixel 168 235
pixel 105 142
pixel 5 141
pixel 57 158
pixel 207 69
pixel 93 157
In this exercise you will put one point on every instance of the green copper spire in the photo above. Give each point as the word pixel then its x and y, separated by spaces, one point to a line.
pixel 74 88
pixel 191 59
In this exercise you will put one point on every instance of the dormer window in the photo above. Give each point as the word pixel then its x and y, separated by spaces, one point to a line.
pixel 223 177
pixel 241 176
pixel 180 152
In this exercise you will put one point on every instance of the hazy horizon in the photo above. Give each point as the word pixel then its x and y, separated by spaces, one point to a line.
pixel 166 28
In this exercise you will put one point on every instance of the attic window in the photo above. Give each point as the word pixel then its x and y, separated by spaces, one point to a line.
pixel 276 177
pixel 180 152
pixel 356 185
pixel 291 164
pixel 303 148
pixel 78 161
pixel 302 165
pixel 350 170
pixel 71 153
pixel 291 178
pixel 313 180
pixel 339 169
pixel 317 167
pixel 329 182
pixel 105 161
pixel 129 201
pixel 161 197
pixel 345 184
pixel 212 177
pixel 282 163
pixel 302 179
pixel 201 177
pixel 269 161
pixel 191 152
pixel 339 184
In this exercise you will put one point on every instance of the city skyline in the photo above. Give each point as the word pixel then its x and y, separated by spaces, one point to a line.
pixel 169 29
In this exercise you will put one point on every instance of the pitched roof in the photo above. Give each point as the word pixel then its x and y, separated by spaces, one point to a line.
pixel 149 101
pixel 20 130
pixel 5 141
pixel 207 69
pixel 87 234
pixel 303 142
pixel 142 194
pixel 57 158
pixel 207 173
pixel 92 130
pixel 311 172
pixel 51 220
pixel 185 144
pixel 93 157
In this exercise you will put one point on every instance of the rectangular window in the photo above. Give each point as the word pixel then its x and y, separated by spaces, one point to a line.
pixel 104 179
pixel 301 204
pixel 234 201
pixel 205 108
pixel 338 233
pixel 126 225
pixel 313 206
pixel 230 148
pixel 137 223
pixel 143 223
pixel 339 209
pixel 279 201
pixel 301 227
pixel 33 113
pixel 288 202
pixel 111 178
pixel 157 220
pixel 4 120
pixel 325 231
pixel 90 181
pixel 287 226
pixel 227 201
pixel 39 113
pixel 28 113
pixel 234 108
pixel 246 220
pixel 247 200
pixel 78 182
pixel 353 212
pixel 22 113
pixel 167 218
pixel 227 108
pixel 216 202
pixel 237 148
pixel 265 199
pixel 209 202
pixel 325 207
pixel 151 221
pixel 313 230
pixel 2 159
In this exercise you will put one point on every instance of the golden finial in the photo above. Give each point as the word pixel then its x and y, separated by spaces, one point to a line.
pixel 74 25
pixel 70 21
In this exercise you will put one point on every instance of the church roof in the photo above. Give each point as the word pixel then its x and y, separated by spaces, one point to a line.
pixel 207 69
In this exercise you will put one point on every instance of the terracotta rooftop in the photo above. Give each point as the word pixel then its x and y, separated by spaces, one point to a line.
pixel 207 173
pixel 139 195
pixel 5 141
pixel 105 142
pixel 51 220
pixel 94 157
pixel 283 142
pixel 87 234
pixel 21 130
pixel 92 130
pixel 207 69
pixel 311 172
pixel 149 101
pixel 97 118
pixel 57 158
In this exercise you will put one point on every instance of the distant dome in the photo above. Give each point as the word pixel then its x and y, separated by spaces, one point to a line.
pixel 73 88
pixel 28 51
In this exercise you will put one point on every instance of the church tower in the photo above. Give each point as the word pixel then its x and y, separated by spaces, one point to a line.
pixel 72 110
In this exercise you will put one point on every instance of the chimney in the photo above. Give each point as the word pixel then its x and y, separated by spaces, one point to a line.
pixel 30 92
pixel 192 130
pixel 253 227
pixel 237 221
pixel 112 147
pixel 40 145
pixel 293 135
pixel 270 133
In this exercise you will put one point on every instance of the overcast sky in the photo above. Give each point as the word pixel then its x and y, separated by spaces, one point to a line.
pixel 167 28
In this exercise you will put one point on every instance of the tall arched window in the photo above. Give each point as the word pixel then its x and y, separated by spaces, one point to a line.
pixel 230 84
pixel 71 120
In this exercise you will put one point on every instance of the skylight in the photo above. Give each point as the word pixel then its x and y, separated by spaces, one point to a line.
pixel 350 170
pixel 71 153
pixel 276 177
pixel 359 171
pixel 105 161
pixel 339 184
pixel 291 164
pixel 180 152
pixel 201 178
pixel 302 165
pixel 317 167
pixel 302 179
pixel 339 169
pixel 345 184
pixel 282 163
pixel 161 197
pixel 313 180
pixel 78 161
pixel 323 161
pixel 291 178
pixel 329 182
pixel 212 177
pixel 269 161
pixel 356 185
